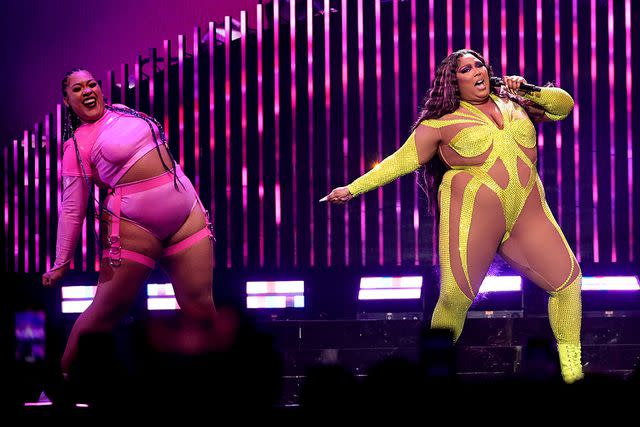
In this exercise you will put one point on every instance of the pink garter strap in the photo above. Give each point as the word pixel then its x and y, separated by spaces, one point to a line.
pixel 188 242
pixel 115 257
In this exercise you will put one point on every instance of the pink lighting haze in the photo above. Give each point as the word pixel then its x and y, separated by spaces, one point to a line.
pixel 379 121
pixel 345 124
pixel 227 127
pixel 612 131
pixel 25 183
pixel 628 83
pixel 327 106
pixel 243 89
pixel 310 120
pixel 294 139
pixel 594 157
pixel 277 124
pixel 576 126
pixel 363 212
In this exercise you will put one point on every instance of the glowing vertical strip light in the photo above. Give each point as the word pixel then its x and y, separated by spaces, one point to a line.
pixel 47 194
pixel 345 124
pixel 124 82
pixel 227 127
pixel 414 90
pixel 243 89
pixel 16 203
pixel 152 80
pixel 327 106
pixel 379 122
pixel 396 132
pixel 196 105
pixel 467 24
pixel 594 157
pixel 521 37
pixel 165 83
pixel 363 218
pixel 558 124
pixel 612 131
pixel 137 75
pixel 449 26
pixel 503 37
pixel 259 11
pixel 432 67
pixel 276 111
pixel 25 146
pixel 294 139
pixel 181 52
pixel 539 49
pixel 485 27
pixel 5 152
pixel 310 120
pixel 212 134
pixel 37 143
pixel 628 83
pixel 576 126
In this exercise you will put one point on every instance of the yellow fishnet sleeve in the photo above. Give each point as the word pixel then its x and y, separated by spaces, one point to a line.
pixel 403 161
pixel 556 102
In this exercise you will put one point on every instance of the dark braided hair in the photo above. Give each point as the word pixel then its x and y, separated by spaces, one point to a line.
pixel 444 98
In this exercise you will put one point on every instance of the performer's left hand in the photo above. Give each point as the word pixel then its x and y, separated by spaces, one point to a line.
pixel 512 83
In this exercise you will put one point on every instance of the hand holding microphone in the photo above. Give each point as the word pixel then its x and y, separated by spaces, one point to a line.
pixel 514 84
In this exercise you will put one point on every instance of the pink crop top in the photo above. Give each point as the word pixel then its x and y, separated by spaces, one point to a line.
pixel 108 147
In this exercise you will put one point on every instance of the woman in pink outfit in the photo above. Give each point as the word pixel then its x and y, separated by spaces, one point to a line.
pixel 152 212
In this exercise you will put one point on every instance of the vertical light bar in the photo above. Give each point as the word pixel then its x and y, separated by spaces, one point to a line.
pixel 227 127
pixel 16 203
pixel 612 132
pixel 594 157
pixel 243 89
pixel 396 136
pixel 503 37
pixel 152 80
pixel 449 25
pixel 556 39
pixel 25 146
pixel 521 37
pixel 276 108
pixel 182 42
pixel 294 139
pixel 37 143
pixel 5 152
pixel 414 90
pixel 576 126
pixel 539 52
pixel 312 257
pixel 196 105
pixel 96 227
pixel 165 83
pixel 628 83
pixel 363 218
pixel 379 130
pixel 467 24
pixel 345 124
pixel 327 105
pixel 259 11
pixel 212 127
pixel 432 68
pixel 137 75
pixel 485 27
pixel 124 82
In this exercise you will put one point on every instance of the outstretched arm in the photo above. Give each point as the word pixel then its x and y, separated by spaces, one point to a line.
pixel 417 150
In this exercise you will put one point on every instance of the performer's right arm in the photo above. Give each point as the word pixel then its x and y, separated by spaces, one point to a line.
pixel 417 150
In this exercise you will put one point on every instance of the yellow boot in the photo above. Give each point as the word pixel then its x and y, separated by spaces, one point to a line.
pixel 570 364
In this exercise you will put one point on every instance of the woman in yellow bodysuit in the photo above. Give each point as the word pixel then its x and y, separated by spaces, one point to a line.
pixel 478 145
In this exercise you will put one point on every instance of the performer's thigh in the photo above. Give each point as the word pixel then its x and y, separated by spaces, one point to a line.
pixel 191 270
pixel 471 234
pixel 537 247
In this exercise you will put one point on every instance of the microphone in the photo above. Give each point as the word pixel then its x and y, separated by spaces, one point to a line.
pixel 525 87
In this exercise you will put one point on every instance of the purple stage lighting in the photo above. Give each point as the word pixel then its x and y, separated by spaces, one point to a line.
pixel 275 294
pixel 160 296
pixel 390 288
pixel 610 283
pixel 76 299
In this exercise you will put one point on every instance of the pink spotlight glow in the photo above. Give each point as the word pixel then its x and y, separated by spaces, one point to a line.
pixel 243 88
pixel 594 157
pixel 628 83
pixel 503 37
pixel 485 27
pixel 310 120
pixel 521 37
pixel 363 211
pixel 612 131
pixel 449 25
pixel 379 121
pixel 345 124
pixel 576 127
pixel 467 23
